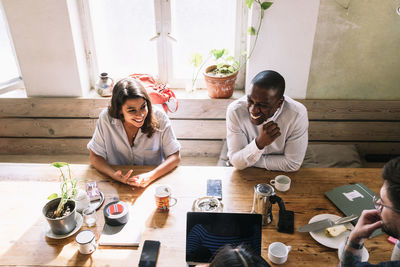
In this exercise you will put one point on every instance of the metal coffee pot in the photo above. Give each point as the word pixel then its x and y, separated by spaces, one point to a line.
pixel 262 203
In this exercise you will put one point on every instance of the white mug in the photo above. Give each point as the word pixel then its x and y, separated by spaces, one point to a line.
pixel 278 252
pixel 396 252
pixel 281 183
pixel 86 241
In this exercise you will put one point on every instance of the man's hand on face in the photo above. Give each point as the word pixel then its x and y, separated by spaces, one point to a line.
pixel 268 134
pixel 369 221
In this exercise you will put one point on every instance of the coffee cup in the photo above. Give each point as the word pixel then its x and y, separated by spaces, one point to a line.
pixel 163 198
pixel 278 252
pixel 87 241
pixel 396 252
pixel 281 183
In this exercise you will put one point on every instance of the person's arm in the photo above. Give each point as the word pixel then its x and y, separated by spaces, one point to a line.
pixel 147 178
pixel 170 147
pixel 241 154
pixel 369 221
pixel 294 151
pixel 102 166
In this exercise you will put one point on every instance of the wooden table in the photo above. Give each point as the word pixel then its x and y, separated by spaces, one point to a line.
pixel 25 187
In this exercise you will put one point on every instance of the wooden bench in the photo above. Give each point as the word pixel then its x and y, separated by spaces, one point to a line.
pixel 52 126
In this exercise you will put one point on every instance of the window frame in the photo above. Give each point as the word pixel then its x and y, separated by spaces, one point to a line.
pixel 164 38
pixel 15 82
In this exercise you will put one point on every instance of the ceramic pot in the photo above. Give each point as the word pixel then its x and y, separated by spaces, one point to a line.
pixel 219 87
pixel 62 225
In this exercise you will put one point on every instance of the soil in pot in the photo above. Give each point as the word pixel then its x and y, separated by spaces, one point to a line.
pixel 66 222
pixel 68 207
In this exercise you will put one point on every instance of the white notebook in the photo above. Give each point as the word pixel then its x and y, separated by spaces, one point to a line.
pixel 128 235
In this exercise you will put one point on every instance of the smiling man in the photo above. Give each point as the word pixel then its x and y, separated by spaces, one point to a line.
pixel 267 129
pixel 386 216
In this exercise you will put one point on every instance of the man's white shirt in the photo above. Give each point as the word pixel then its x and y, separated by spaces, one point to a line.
pixel 286 153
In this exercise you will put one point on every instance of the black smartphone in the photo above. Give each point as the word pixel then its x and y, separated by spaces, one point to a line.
pixel 149 255
pixel 214 188
pixel 286 221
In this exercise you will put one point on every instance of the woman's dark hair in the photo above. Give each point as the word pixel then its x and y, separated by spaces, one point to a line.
pixel 391 174
pixel 237 257
pixel 129 88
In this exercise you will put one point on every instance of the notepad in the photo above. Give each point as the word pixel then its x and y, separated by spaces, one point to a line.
pixel 128 235
pixel 353 199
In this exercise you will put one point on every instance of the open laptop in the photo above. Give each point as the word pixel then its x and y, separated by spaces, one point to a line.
pixel 207 232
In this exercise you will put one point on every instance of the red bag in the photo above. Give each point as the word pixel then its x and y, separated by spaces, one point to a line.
pixel 158 92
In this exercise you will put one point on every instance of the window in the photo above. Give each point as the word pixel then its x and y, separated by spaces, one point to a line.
pixel 10 77
pixel 158 37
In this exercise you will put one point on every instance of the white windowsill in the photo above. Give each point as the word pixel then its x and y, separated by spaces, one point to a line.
pixel 179 93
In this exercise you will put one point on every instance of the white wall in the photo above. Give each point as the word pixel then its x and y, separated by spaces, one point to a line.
pixel 44 44
pixel 285 43
pixel 48 44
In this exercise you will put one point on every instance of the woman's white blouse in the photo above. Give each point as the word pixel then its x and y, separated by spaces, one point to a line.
pixel 111 142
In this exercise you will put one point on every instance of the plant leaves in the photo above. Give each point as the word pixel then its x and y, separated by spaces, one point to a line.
pixel 251 30
pixel 52 196
pixel 244 52
pixel 218 53
pixel 59 164
pixel 249 3
pixel 196 59
pixel 266 5
pixel 220 66
pixel 231 58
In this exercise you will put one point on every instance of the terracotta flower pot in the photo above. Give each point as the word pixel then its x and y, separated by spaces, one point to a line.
pixel 219 87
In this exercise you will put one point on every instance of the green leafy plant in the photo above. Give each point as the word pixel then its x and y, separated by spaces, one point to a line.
pixel 67 186
pixel 225 63
pixel 251 30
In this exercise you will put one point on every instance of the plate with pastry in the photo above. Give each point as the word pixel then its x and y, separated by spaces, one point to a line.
pixel 331 237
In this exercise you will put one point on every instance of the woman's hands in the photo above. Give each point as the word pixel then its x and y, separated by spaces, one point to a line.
pixel 119 176
pixel 141 180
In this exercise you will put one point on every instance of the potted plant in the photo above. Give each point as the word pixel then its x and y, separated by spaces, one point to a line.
pixel 220 77
pixel 60 210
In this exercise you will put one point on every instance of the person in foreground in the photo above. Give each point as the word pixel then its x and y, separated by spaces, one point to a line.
pixel 236 257
pixel 133 132
pixel 385 216
pixel 267 129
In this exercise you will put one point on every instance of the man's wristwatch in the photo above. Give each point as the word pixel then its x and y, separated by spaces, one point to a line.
pixel 354 245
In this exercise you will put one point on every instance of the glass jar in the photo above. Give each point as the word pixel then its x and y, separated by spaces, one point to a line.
pixel 104 85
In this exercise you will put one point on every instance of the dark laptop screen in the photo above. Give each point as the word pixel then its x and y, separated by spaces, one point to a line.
pixel 207 232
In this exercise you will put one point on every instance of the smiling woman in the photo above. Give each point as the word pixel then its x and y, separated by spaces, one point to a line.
pixel 130 132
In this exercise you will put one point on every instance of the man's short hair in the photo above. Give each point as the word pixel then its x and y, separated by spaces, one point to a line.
pixel 391 174
pixel 269 79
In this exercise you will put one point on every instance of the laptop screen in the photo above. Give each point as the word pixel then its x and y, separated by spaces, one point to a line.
pixel 207 232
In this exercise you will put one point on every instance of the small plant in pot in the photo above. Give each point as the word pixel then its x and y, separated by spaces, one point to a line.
pixel 221 76
pixel 60 210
